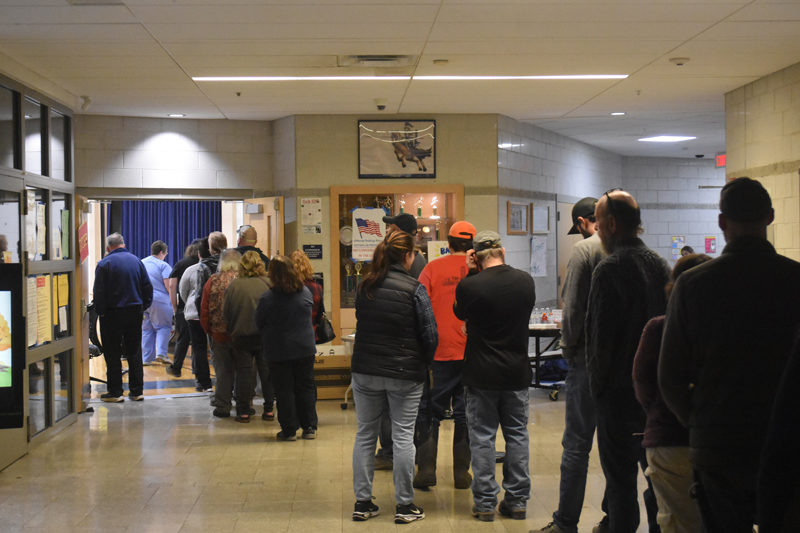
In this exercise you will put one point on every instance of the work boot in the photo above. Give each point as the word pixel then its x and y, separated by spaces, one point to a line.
pixel 426 457
pixel 461 457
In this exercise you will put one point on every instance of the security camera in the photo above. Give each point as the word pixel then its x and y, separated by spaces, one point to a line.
pixel 699 156
pixel 380 103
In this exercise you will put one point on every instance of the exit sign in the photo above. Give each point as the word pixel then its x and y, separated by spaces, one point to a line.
pixel 720 160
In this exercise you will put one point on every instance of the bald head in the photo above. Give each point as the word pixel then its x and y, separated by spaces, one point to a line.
pixel 247 236
pixel 618 218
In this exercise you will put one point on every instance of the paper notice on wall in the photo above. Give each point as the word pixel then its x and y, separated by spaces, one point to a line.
pixel 62 319
pixel 368 230
pixel 437 249
pixel 678 242
pixel 711 245
pixel 41 230
pixel 83 241
pixel 539 256
pixel 63 290
pixel 44 324
pixel 311 215
pixel 30 224
pixel 31 317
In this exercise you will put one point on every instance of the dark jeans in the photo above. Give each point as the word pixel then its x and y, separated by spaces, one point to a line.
pixel 447 390
pixel 267 387
pixel 202 373
pixel 727 497
pixel 182 340
pixel 619 417
pixel 296 393
pixel 579 427
pixel 121 330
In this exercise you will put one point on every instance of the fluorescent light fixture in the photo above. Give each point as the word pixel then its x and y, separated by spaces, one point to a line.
pixel 301 78
pixel 618 114
pixel 176 115
pixel 548 77
pixel 666 139
pixel 509 145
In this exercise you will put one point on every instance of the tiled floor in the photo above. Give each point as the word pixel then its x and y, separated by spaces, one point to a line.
pixel 167 465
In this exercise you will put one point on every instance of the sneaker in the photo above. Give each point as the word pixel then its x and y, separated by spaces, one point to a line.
pixel 136 397
pixel 516 513
pixel 269 416
pixel 172 371
pixel 405 514
pixel 286 437
pixel 365 510
pixel 111 398
pixel 483 516
pixel 148 363
pixel 309 433
pixel 552 527
pixel 163 360
pixel 383 463
pixel 203 388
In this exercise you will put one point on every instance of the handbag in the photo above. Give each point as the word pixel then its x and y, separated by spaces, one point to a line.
pixel 324 330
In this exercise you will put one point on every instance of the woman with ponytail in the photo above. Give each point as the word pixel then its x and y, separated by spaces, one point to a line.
pixel 395 341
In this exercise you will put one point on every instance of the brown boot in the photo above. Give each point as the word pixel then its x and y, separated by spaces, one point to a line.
pixel 461 457
pixel 427 451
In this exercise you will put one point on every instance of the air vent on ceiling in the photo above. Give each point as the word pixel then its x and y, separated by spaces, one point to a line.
pixel 96 2
pixel 376 60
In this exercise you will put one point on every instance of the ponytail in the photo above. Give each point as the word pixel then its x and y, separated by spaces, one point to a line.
pixel 389 251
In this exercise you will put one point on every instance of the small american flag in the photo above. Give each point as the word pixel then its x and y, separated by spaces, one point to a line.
pixel 370 227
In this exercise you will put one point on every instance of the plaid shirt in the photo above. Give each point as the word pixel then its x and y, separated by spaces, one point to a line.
pixel 426 323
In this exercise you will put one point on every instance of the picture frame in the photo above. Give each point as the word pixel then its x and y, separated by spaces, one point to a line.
pixel 540 218
pixel 390 149
pixel 517 218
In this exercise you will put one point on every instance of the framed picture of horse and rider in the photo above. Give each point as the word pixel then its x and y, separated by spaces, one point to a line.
pixel 396 149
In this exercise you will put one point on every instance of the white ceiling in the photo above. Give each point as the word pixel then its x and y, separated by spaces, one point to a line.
pixel 138 58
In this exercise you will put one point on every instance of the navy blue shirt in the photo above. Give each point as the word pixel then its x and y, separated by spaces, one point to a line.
pixel 121 280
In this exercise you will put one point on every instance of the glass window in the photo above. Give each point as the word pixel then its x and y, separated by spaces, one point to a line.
pixel 38 380
pixel 33 135
pixel 60 226
pixel 62 370
pixel 6 128
pixel 58 145
pixel 9 227
pixel 36 222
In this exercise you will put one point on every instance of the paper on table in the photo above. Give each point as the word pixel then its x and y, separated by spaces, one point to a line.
pixel 31 318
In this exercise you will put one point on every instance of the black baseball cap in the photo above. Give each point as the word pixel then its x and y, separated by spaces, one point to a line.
pixel 584 208
pixel 745 200
pixel 404 221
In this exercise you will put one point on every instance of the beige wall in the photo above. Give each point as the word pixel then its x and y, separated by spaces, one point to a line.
pixel 763 142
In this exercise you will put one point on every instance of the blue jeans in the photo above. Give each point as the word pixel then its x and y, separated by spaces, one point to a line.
pixel 579 425
pixel 373 395
pixel 156 330
pixel 486 409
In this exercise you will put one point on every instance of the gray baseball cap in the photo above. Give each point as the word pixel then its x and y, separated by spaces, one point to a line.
pixel 487 239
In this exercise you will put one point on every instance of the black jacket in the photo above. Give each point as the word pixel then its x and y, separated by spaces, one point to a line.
pixel 388 343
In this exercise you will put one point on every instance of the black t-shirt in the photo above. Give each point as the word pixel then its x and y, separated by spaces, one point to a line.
pixel 496 304
pixel 177 273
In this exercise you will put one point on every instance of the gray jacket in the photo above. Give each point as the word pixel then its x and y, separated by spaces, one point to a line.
pixel 586 254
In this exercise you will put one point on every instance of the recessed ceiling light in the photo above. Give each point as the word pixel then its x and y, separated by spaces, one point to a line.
pixel 618 114
pixel 301 78
pixel 176 115
pixel 666 139
pixel 545 77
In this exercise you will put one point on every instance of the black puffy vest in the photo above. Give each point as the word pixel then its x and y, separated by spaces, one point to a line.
pixel 387 343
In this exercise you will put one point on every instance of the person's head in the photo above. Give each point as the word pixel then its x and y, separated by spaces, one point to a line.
pixel 583 220
pixel 489 250
pixel 229 260
pixel 202 248
pixel 114 241
pixel 460 237
pixel 396 248
pixel 283 276
pixel 247 236
pixel 682 265
pixel 217 241
pixel 159 249
pixel 618 218
pixel 686 250
pixel 251 265
pixel 745 209
pixel 403 222
pixel 191 249
pixel 302 265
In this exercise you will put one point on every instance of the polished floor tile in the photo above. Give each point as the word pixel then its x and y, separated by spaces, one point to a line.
pixel 167 465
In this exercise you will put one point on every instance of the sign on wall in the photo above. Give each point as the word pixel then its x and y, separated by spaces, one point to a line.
pixel 368 230
pixel 396 149
pixel 311 215
pixel 313 251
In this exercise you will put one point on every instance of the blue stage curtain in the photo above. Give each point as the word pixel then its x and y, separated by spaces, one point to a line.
pixel 176 222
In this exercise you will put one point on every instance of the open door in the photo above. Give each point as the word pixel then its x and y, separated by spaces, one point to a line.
pixel 564 242
pixel 82 389
pixel 266 216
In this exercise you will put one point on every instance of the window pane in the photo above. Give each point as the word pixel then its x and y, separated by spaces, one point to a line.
pixel 33 135
pixel 37 396
pixel 62 368
pixel 36 222
pixel 58 125
pixel 9 227
pixel 6 128
pixel 60 225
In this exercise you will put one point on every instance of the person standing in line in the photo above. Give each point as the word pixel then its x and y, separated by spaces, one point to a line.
pixel 666 441
pixel 283 317
pixel 238 309
pixel 627 290
pixel 229 369
pixel 395 344
pixel 191 293
pixel 579 415
pixel 728 335
pixel 122 292
pixel 190 257
pixel 496 304
pixel 157 323
pixel 302 265
pixel 440 278
pixel 246 242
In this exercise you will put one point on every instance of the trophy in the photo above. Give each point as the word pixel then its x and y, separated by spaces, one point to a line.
pixel 359 266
